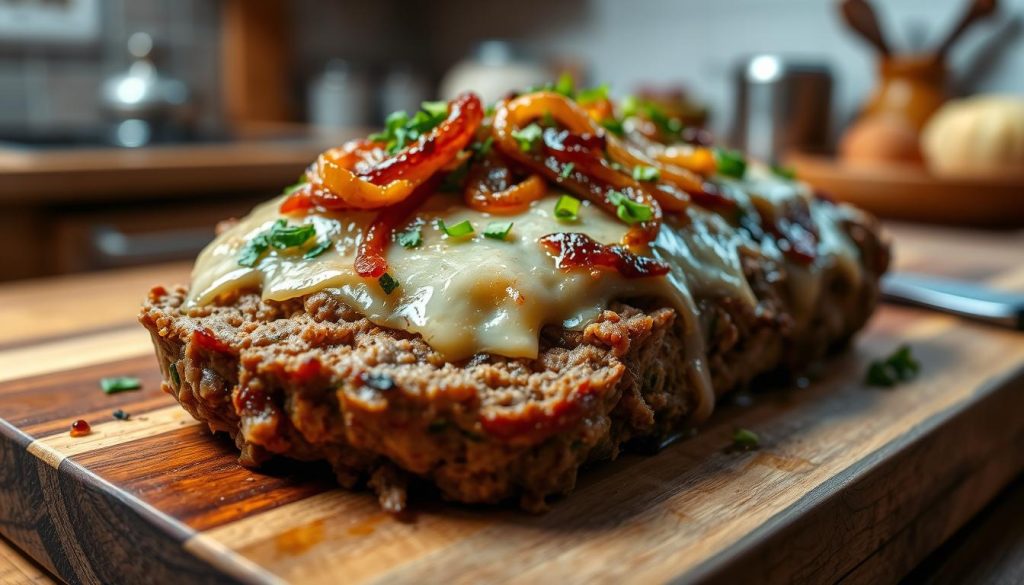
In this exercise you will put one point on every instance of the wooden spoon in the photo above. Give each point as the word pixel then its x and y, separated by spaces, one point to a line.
pixel 978 10
pixel 861 18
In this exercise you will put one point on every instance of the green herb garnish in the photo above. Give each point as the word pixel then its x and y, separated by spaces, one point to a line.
pixel 731 163
pixel 745 439
pixel 253 250
pixel 565 85
pixel 120 384
pixel 567 208
pixel 628 210
pixel 614 126
pixel 528 137
pixel 497 230
pixel 481 149
pixel 284 236
pixel 593 94
pixel 567 170
pixel 788 173
pixel 173 369
pixel 646 173
pixel 411 238
pixel 400 129
pixel 318 249
pixel 900 366
pixel 387 283
pixel 459 230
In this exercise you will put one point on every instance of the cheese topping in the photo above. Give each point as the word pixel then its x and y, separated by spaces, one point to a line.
pixel 475 294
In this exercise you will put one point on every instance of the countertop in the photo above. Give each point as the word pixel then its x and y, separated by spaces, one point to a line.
pixel 32 176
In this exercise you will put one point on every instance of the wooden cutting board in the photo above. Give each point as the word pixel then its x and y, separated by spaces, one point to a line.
pixel 850 484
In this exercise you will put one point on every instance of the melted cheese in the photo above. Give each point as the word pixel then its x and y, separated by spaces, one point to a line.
pixel 473 295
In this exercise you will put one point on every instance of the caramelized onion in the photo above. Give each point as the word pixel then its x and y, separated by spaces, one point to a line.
pixel 371 261
pixel 581 144
pixel 360 176
pixel 575 250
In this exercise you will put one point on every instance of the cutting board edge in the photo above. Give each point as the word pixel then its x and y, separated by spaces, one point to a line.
pixel 773 543
pixel 52 521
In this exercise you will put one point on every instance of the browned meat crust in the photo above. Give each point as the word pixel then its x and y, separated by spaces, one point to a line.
pixel 311 379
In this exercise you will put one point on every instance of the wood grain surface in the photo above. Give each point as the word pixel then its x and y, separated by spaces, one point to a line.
pixel 851 484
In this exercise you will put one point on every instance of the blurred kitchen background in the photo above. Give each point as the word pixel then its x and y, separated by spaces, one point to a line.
pixel 129 127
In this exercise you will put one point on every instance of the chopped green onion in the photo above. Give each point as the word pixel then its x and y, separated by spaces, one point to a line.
pixel 900 366
pixel 646 173
pixel 497 230
pixel 567 170
pixel 731 163
pixel 565 85
pixel 788 173
pixel 593 94
pixel 120 384
pixel 411 238
pixel 387 283
pixel 567 208
pixel 459 230
pixel 628 210
pixel 528 137
pixel 318 249
pixel 746 439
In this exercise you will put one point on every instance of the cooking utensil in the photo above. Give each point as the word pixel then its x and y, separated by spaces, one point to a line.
pixel 861 18
pixel 959 297
pixel 978 10
pixel 781 105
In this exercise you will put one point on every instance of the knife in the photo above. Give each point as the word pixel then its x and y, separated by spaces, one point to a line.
pixel 960 297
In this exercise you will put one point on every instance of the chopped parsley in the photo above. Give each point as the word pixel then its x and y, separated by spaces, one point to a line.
pixel 567 208
pixel 120 384
pixel 646 173
pixel 498 230
pixel 528 137
pixel 400 129
pixel 731 163
pixel 280 236
pixel 746 439
pixel 788 173
pixel 387 283
pixel 900 366
pixel 411 238
pixel 628 210
pixel 567 170
pixel 459 230
pixel 120 414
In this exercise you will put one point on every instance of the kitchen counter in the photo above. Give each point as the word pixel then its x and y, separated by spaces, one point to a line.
pixel 42 314
pixel 52 175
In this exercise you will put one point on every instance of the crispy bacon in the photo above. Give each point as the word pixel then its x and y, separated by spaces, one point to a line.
pixel 575 250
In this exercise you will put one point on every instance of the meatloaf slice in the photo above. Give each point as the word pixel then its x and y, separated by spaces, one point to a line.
pixel 311 379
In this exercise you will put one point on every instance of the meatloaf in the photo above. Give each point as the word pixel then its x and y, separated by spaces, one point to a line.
pixel 485 300
pixel 312 379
